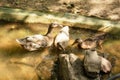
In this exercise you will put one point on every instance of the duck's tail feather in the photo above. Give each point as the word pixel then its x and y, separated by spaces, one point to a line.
pixel 100 36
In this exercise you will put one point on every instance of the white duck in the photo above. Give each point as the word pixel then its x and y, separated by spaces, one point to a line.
pixel 34 42
pixel 62 38
pixel 92 42
pixel 93 63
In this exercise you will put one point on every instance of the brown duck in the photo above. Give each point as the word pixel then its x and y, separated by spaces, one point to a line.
pixel 34 42
pixel 90 43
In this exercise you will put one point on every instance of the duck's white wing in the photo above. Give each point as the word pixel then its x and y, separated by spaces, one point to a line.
pixel 32 43
pixel 92 63
pixel 105 65
pixel 61 37
pixel 33 39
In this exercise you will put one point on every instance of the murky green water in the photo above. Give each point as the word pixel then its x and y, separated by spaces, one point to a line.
pixel 19 64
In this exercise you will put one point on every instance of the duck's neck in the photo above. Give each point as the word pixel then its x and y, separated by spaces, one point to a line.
pixel 93 54
pixel 49 31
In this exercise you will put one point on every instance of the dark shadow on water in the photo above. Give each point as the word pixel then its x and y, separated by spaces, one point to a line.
pixel 18 51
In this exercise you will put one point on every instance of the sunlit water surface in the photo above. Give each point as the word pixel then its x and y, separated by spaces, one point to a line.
pixel 19 64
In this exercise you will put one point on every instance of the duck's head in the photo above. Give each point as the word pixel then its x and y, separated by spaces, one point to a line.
pixel 78 40
pixel 90 51
pixel 65 29
pixel 51 26
pixel 55 24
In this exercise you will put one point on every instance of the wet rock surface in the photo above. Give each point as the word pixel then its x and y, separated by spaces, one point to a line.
pixel 71 68
pixel 105 9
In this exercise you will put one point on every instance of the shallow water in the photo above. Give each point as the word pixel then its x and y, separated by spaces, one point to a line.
pixel 19 64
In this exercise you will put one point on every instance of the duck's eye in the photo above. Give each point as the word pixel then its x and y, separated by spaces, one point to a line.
pixel 54 25
pixel 77 40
